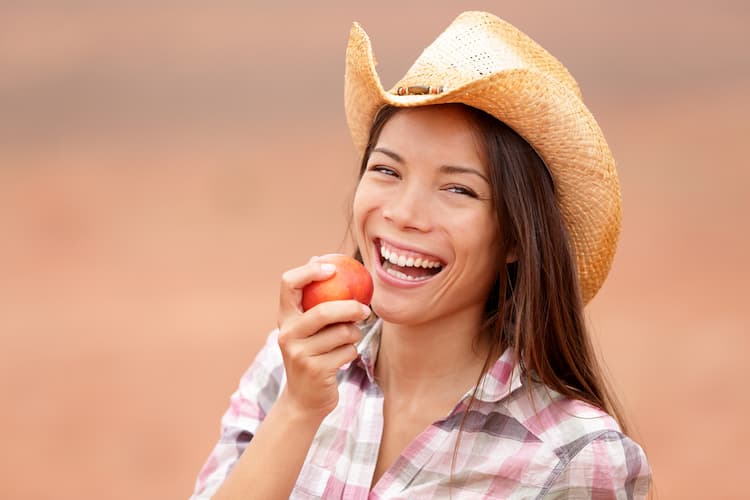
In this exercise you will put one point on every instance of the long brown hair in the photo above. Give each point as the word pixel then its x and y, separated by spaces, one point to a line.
pixel 535 305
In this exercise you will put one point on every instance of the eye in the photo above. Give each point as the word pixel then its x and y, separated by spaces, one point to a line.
pixel 383 170
pixel 462 190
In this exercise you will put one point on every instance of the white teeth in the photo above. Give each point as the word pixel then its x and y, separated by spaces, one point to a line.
pixel 400 275
pixel 404 261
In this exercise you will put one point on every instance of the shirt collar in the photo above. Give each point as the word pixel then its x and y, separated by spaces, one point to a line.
pixel 368 348
pixel 503 377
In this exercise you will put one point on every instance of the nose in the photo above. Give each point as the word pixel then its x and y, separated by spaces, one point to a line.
pixel 409 209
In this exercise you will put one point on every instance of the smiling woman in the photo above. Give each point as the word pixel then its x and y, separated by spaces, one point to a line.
pixel 424 194
pixel 487 211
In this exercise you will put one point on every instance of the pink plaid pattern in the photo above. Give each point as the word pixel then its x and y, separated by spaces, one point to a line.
pixel 519 440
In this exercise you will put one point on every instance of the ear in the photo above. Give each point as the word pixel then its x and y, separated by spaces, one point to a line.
pixel 510 255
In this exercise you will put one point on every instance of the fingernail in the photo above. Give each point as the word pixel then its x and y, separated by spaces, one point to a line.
pixel 328 268
pixel 366 310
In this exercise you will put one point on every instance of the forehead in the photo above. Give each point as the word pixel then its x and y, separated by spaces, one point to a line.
pixel 435 134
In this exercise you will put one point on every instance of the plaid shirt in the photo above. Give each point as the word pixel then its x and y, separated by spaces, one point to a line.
pixel 519 440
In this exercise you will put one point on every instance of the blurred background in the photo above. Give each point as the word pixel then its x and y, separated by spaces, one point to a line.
pixel 163 162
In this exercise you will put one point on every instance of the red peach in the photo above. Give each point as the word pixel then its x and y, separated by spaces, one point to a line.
pixel 350 281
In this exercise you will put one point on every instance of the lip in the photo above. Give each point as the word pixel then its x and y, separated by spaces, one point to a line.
pixel 393 280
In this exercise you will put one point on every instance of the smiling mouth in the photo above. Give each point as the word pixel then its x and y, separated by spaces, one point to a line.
pixel 407 265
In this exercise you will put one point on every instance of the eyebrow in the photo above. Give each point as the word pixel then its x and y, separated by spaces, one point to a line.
pixel 449 169
pixel 454 169
pixel 388 152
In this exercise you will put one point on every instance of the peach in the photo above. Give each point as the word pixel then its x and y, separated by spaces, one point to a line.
pixel 350 281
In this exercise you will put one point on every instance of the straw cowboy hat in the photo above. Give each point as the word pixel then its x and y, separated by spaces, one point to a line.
pixel 484 62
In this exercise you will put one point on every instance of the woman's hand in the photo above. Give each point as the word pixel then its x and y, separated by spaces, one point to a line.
pixel 315 343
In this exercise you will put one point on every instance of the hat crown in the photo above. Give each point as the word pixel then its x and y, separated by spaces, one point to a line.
pixel 478 44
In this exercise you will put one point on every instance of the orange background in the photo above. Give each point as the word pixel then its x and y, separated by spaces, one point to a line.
pixel 162 163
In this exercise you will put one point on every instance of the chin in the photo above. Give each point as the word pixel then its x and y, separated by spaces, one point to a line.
pixel 396 315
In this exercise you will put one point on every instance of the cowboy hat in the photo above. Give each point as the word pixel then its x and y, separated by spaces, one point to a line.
pixel 484 62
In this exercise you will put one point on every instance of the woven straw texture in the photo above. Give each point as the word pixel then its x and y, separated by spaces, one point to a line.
pixel 486 63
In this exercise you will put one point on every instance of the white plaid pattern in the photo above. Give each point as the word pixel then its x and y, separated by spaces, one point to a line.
pixel 520 440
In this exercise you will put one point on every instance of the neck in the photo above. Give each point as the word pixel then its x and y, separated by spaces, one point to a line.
pixel 414 360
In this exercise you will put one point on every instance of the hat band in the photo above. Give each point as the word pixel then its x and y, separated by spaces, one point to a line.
pixel 420 90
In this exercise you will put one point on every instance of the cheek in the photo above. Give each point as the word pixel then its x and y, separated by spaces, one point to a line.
pixel 481 244
pixel 362 205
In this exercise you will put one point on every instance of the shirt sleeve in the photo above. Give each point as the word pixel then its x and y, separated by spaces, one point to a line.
pixel 610 466
pixel 258 389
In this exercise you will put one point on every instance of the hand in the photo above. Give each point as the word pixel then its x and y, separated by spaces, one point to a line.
pixel 316 343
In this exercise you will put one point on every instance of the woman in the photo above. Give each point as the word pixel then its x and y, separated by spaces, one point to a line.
pixel 487 212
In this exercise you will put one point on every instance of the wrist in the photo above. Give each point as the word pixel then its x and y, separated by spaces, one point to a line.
pixel 298 414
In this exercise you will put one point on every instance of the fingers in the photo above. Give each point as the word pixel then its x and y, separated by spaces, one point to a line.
pixel 294 280
pixel 326 351
pixel 326 313
pixel 341 355
pixel 314 270
pixel 315 343
pixel 311 380
pixel 331 338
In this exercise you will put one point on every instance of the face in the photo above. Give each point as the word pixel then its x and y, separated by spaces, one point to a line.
pixel 424 218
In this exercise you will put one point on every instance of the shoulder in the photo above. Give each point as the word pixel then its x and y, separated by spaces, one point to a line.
pixel 607 464
pixel 556 419
pixel 268 361
pixel 265 376
pixel 591 455
pixel 259 387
